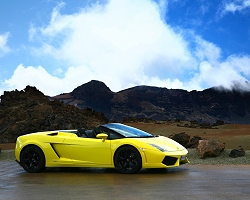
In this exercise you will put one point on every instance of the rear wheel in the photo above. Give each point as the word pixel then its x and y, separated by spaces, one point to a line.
pixel 32 159
pixel 128 160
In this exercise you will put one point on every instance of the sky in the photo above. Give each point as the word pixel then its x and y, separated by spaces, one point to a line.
pixel 59 45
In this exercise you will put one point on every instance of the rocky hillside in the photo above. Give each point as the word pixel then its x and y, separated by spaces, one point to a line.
pixel 157 103
pixel 28 111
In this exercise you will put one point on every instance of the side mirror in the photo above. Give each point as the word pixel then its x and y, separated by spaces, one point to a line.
pixel 102 136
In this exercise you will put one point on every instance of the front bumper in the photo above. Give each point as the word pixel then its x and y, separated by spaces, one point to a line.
pixel 158 159
pixel 172 161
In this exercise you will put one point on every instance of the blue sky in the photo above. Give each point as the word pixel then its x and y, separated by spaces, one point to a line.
pixel 59 45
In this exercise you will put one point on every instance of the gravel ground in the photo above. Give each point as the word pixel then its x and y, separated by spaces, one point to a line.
pixel 222 159
pixel 7 155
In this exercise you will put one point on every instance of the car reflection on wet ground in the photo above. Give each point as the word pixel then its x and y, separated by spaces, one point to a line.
pixel 184 182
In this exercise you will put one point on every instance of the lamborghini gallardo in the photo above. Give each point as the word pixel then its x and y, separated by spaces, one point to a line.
pixel 112 145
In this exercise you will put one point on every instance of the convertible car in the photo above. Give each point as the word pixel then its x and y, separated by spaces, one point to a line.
pixel 110 145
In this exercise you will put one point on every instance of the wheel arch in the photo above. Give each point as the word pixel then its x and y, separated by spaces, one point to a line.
pixel 29 145
pixel 128 145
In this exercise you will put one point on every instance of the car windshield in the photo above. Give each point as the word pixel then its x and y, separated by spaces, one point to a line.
pixel 127 131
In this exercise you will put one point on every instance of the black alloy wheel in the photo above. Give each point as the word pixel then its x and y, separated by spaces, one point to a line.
pixel 128 160
pixel 32 159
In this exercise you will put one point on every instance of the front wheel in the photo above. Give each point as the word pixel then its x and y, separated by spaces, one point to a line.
pixel 128 160
pixel 32 159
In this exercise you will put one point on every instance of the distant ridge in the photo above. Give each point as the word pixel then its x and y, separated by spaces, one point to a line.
pixel 157 103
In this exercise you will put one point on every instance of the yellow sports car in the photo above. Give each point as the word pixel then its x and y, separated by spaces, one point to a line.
pixel 111 145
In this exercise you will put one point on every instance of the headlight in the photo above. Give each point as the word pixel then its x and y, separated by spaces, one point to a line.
pixel 158 147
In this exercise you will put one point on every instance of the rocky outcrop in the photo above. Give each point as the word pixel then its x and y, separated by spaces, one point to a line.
pixel 235 153
pixel 210 148
pixel 186 140
pixel 181 138
pixel 29 110
pixel 210 106
pixel 193 142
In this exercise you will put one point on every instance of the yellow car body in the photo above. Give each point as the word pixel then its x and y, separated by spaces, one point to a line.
pixel 67 149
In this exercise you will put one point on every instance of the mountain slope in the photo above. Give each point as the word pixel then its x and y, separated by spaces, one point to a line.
pixel 161 103
pixel 29 110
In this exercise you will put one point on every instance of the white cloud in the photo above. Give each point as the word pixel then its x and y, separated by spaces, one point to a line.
pixel 234 70
pixel 3 44
pixel 207 51
pixel 125 43
pixel 45 82
pixel 240 63
pixel 36 76
pixel 123 36
pixel 236 5
pixel 32 32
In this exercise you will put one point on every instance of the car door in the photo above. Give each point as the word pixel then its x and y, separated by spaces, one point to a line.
pixel 89 151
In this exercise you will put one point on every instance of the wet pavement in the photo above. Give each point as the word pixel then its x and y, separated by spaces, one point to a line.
pixel 185 182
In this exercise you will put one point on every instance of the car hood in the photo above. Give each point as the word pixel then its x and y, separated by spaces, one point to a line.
pixel 164 142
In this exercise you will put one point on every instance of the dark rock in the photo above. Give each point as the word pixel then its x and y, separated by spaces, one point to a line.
pixel 29 110
pixel 194 141
pixel 237 153
pixel 186 140
pixel 210 148
pixel 219 123
pixel 181 138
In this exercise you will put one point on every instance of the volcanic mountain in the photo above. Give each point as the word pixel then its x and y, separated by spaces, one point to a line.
pixel 29 110
pixel 157 103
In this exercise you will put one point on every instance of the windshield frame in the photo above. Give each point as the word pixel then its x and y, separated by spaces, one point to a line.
pixel 127 131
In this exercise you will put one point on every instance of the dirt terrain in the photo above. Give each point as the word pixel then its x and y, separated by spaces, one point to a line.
pixel 211 178
pixel 233 135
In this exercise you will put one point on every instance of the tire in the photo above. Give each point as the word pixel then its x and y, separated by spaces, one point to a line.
pixel 128 160
pixel 32 159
